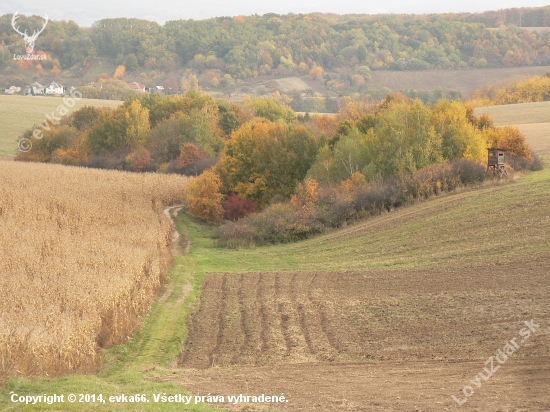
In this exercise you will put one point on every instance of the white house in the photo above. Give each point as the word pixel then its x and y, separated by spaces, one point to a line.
pixel 12 90
pixel 156 89
pixel 54 88
pixel 37 88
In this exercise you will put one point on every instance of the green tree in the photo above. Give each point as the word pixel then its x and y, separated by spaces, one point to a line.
pixel 109 131
pixel 404 139
pixel 198 127
pixel 350 154
pixel 272 108
pixel 131 62
pixel 164 140
pixel 323 168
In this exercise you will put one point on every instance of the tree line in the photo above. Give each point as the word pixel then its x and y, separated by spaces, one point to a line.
pixel 527 90
pixel 252 155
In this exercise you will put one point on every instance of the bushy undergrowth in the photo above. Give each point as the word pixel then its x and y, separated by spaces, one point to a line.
pixel 335 206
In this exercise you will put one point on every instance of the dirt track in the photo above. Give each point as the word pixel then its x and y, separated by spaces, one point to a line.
pixel 374 340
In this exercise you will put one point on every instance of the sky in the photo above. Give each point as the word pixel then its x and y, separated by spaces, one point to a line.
pixel 86 12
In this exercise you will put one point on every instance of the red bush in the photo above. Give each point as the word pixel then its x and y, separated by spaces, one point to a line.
pixel 237 207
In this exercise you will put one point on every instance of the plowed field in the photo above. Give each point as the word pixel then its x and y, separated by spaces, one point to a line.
pixel 453 313
pixel 376 339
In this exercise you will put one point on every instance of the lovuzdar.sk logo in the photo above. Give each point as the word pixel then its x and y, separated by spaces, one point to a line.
pixel 29 40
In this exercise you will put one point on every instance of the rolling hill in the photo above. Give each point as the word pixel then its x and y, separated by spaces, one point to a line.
pixel 394 313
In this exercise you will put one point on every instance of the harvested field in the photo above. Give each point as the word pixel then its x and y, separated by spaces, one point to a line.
pixel 532 119
pixel 83 252
pixel 289 84
pixel 521 384
pixel 538 137
pixel 514 114
pixel 465 81
pixel 396 313
pixel 374 340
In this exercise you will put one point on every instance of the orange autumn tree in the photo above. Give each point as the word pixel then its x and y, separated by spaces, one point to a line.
pixel 349 186
pixel 190 153
pixel 509 138
pixel 325 124
pixel 306 194
pixel 316 72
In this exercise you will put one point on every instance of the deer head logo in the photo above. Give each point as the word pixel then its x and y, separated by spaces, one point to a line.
pixel 29 40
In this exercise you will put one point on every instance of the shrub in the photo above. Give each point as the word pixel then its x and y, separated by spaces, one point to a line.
pixel 234 235
pixel 335 206
pixel 469 172
pixel 139 160
pixel 190 153
pixel 536 164
pixel 237 207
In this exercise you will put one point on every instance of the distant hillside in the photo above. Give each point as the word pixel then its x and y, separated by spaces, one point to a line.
pixel 339 51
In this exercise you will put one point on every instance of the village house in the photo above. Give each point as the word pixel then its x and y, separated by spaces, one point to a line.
pixel 37 89
pixel 54 88
pixel 12 90
pixel 137 86
pixel 156 89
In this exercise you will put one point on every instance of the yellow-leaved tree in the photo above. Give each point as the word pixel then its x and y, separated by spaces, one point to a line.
pixel 204 199
pixel 119 72
pixel 137 131
pixel 460 139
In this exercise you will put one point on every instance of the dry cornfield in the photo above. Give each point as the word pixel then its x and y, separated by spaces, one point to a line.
pixel 82 253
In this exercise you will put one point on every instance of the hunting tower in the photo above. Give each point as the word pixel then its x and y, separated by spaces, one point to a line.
pixel 495 162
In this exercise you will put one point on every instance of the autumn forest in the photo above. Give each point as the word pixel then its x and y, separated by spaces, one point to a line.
pixel 221 50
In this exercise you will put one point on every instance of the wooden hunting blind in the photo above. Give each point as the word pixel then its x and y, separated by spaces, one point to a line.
pixel 495 162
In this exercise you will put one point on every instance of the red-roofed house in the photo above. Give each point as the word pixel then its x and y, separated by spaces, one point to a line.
pixel 137 86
